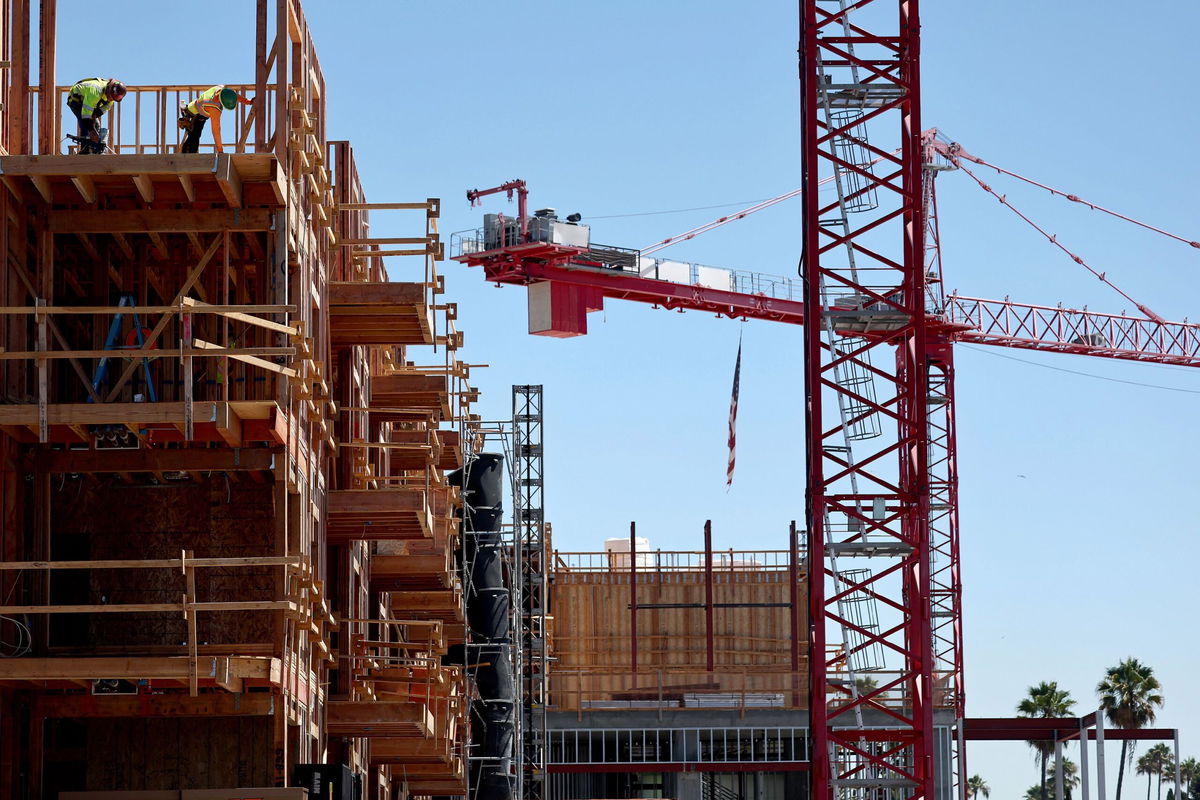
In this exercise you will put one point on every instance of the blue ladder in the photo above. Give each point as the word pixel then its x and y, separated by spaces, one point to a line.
pixel 110 343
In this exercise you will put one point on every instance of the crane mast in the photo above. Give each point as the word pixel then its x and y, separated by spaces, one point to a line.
pixel 867 495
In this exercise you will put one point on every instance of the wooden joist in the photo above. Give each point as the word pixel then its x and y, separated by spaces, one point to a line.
pixel 445 604
pixel 394 573
pixel 379 514
pixel 141 175
pixel 405 390
pixel 379 313
pixel 379 720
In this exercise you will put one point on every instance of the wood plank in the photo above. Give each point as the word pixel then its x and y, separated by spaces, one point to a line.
pixel 105 413
pixel 133 668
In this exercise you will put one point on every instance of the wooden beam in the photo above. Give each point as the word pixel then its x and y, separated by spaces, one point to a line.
pixel 188 189
pixel 88 245
pixel 123 243
pixel 228 179
pixel 381 206
pixel 131 668
pixel 42 184
pixel 104 413
pixel 229 426
pixel 153 608
pixel 141 164
pixel 244 356
pixel 158 220
pixel 86 187
pixel 145 187
pixel 48 139
pixel 159 244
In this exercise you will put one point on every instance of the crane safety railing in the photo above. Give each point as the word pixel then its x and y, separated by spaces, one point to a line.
pixel 673 561
pixel 145 121
pixel 1001 322
pixel 624 261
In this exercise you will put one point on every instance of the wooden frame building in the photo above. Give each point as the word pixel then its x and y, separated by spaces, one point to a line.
pixel 226 541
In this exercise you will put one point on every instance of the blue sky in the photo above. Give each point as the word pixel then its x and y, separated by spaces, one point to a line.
pixel 1077 493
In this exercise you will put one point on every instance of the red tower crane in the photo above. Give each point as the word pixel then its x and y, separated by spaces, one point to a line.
pixel 878 339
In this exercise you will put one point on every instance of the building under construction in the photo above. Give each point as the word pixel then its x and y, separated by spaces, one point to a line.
pixel 256 543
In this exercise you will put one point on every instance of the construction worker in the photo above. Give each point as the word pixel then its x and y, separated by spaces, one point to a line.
pixel 205 107
pixel 88 100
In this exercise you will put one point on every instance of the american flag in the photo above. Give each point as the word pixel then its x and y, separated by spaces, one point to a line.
pixel 733 404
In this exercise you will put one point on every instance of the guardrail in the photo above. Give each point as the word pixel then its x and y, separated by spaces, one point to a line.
pixel 145 121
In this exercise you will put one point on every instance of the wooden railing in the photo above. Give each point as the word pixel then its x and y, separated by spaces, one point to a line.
pixel 300 602
pixel 145 121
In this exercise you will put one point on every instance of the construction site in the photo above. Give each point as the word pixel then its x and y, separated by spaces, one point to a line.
pixel 264 537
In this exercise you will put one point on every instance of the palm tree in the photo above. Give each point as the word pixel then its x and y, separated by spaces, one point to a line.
pixel 1189 777
pixel 1145 766
pixel 1129 695
pixel 976 785
pixel 1070 775
pixel 1161 763
pixel 1045 700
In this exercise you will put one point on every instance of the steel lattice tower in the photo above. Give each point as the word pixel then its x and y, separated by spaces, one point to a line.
pixel 868 484
pixel 529 546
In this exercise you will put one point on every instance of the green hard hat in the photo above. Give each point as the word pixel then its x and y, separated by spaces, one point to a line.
pixel 229 99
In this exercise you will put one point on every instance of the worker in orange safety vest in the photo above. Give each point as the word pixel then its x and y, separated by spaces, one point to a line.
pixel 208 106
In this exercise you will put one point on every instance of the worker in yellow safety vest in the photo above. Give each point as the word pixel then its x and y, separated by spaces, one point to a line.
pixel 88 100
pixel 208 106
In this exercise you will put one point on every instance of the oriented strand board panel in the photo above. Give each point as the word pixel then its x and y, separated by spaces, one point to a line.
pixel 98 521
pixel 751 644
pixel 158 753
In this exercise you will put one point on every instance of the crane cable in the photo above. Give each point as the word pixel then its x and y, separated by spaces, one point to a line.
pixel 718 222
pixel 1053 239
pixel 1077 199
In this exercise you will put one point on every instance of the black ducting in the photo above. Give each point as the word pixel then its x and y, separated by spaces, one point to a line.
pixel 492 671
pixel 487 656
pixel 484 485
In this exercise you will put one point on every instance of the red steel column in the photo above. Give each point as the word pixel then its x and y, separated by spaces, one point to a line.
pixel 708 595
pixel 633 608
